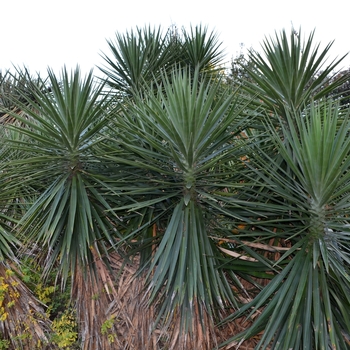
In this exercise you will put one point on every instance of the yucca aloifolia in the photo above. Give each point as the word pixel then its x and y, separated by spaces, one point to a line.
pixel 306 304
pixel 66 214
pixel 174 149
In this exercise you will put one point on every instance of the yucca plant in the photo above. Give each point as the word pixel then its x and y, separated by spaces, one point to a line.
pixel 289 228
pixel 291 72
pixel 176 151
pixel 138 59
pixel 306 305
pixel 67 215
pixel 201 50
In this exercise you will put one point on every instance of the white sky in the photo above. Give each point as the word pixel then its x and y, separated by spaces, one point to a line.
pixel 54 33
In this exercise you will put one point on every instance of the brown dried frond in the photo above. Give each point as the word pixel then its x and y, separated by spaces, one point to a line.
pixel 135 326
pixel 113 311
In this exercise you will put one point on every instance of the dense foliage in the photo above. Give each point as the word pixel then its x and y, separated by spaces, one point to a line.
pixel 225 197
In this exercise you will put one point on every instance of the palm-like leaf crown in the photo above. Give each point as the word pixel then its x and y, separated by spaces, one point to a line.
pixel 309 309
pixel 301 191
pixel 140 58
pixel 174 147
pixel 291 72
pixel 59 166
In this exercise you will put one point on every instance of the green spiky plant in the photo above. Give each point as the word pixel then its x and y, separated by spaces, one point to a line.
pixel 306 304
pixel 291 72
pixel 138 59
pixel 174 149
pixel 67 215
pixel 301 203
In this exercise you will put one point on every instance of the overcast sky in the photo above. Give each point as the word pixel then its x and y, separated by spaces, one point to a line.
pixel 54 33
